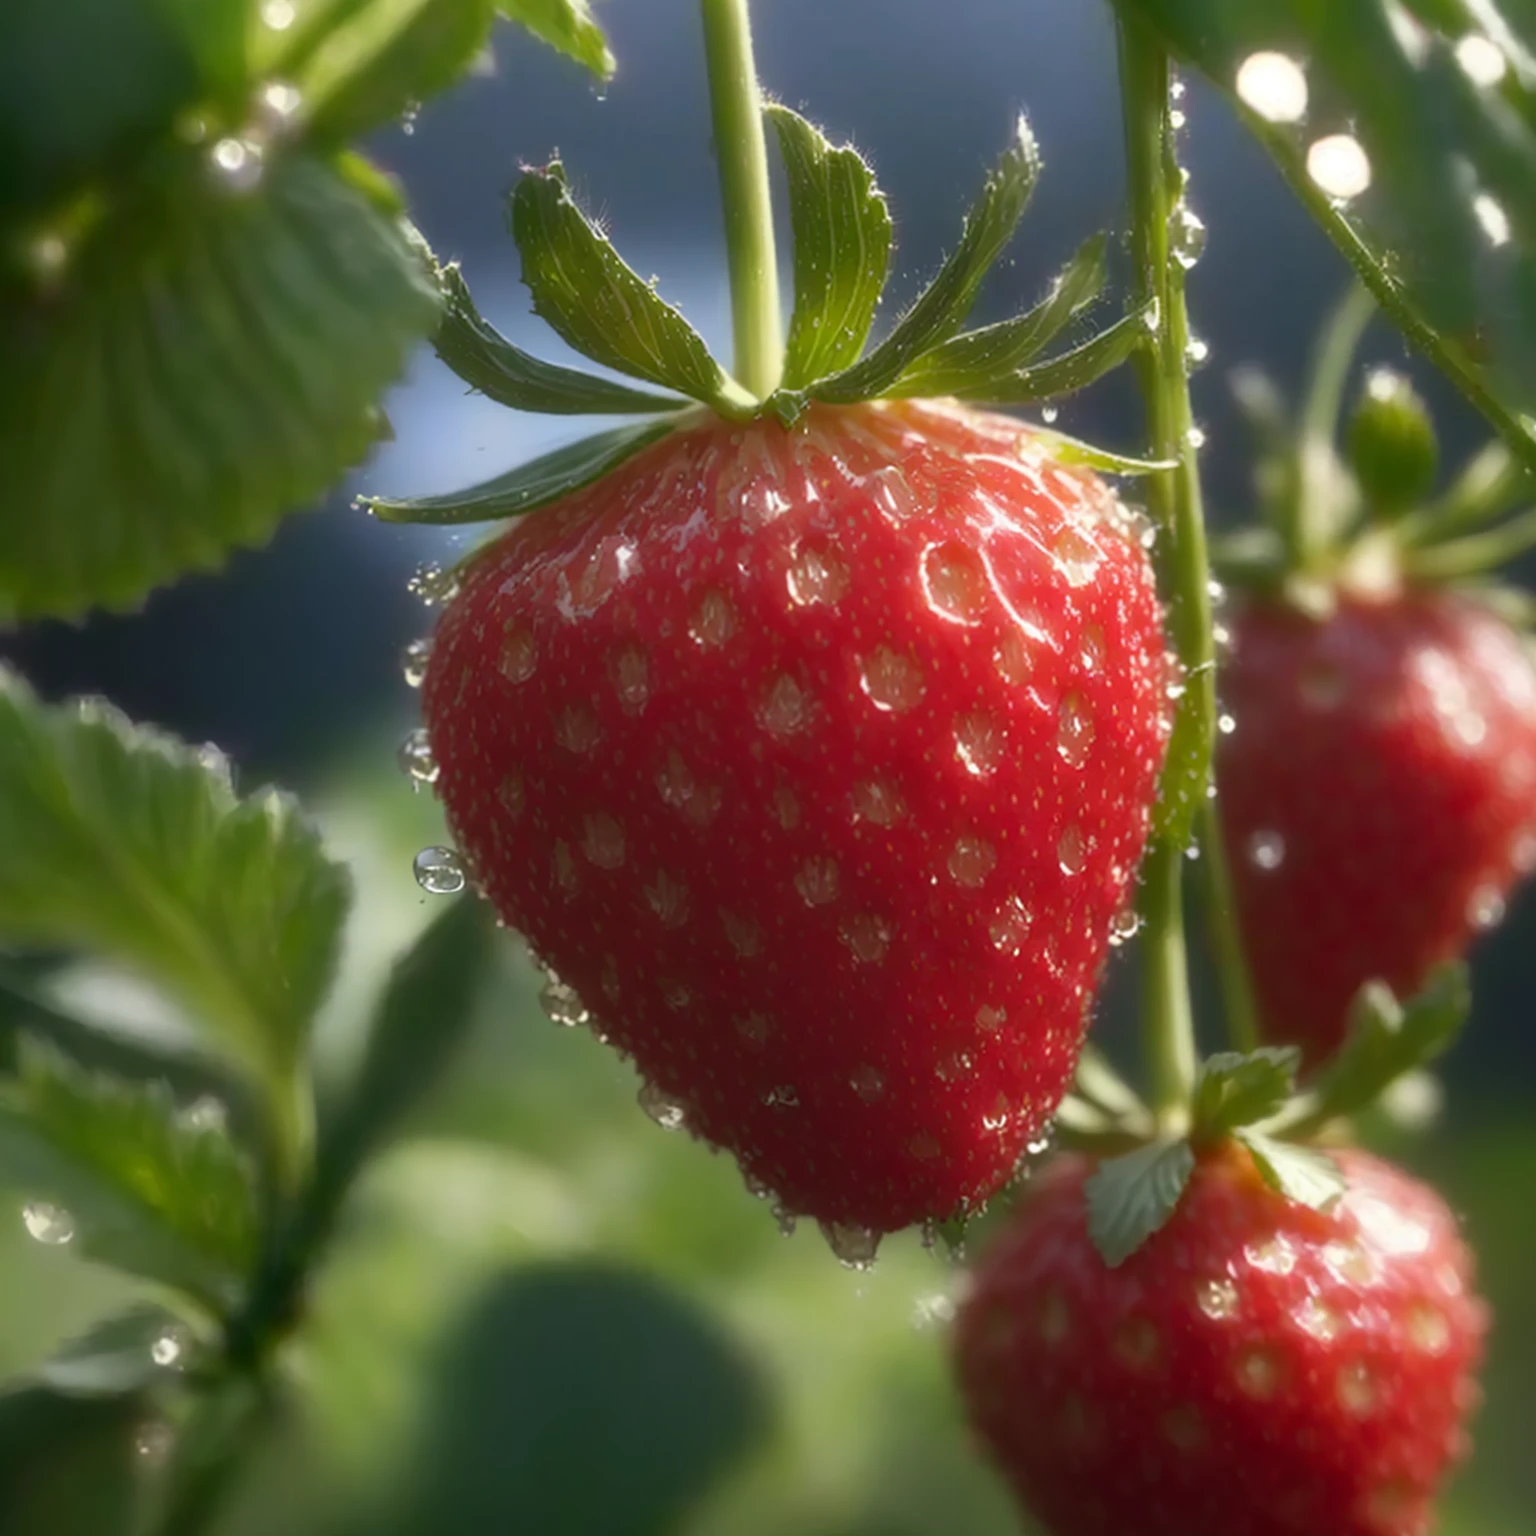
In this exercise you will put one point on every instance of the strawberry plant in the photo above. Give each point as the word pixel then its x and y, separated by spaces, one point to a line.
pixel 819 727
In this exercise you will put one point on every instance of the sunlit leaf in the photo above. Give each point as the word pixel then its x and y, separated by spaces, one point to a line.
pixel 1234 1090
pixel 1131 1197
pixel 566 25
pixel 1302 1174
pixel 123 1353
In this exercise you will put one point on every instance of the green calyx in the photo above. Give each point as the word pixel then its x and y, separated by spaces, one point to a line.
pixel 602 308
pixel 1361 515
pixel 1252 1098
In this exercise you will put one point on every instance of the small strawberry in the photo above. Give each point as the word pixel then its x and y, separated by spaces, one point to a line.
pixel 817 762
pixel 1256 1368
pixel 1378 794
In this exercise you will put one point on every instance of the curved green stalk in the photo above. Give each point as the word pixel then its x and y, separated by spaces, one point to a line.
pixel 741 149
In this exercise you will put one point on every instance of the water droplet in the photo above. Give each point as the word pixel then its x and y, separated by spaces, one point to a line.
pixel 1274 1256
pixel 1124 925
pixel 1010 926
pixel 1014 660
pixel 745 937
pixel 1274 86
pixel 877 803
pixel 782 1097
pixel 1485 908
pixel 48 1224
pixel 1316 1319
pixel 577 729
pixel 237 164
pixel 854 1247
pixel 758 1188
pixel 1266 851
pixel 868 1083
pixel 1195 437
pixel 971 860
pixel 278 15
pixel 1049 414
pixel 1340 166
pixel 152 1441
pixel 415 758
pixel 1177 118
pixel 1490 215
pixel 413 663
pixel 1226 724
pixel 1482 60
pixel 1217 1299
pixel 891 681
pixel 1357 1391
pixel 519 656
pixel 817 881
pixel 1187 236
pixel 1258 1373
pixel 1350 1262
pixel 866 934
pixel 408 118
pixel 1072 851
pixel 1078 556
pixel 278 103
pixel 667 897
pixel 713 622
pixel 602 840
pixel 630 670
pixel 1074 731
pixel 666 1112
pixel 955 582
pixel 785 710
pixel 1196 354
pixel 991 1018
pixel 978 743
pixel 561 1005
pixel 439 871
pixel 205 1114
pixel 816 576
pixel 165 1351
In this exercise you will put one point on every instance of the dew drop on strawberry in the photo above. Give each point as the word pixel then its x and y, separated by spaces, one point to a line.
pixel 818 763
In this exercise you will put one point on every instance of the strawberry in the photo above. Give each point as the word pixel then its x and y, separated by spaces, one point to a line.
pixel 817 762
pixel 1378 794
pixel 1257 1368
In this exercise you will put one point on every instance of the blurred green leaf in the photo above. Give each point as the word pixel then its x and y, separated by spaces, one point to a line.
pixel 1302 1174
pixel 1233 1089
pixel 125 1353
pixel 842 233
pixel 1412 141
pixel 580 1399
pixel 68 1465
pixel 1131 1197
pixel 124 841
pixel 210 360
pixel 566 25
pixel 129 1178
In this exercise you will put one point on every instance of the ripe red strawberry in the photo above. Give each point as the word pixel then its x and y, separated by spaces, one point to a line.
pixel 1257 1368
pixel 1378 795
pixel 818 762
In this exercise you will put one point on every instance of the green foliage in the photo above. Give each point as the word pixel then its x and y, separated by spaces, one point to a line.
pixel 126 1352
pixel 1392 445
pixel 842 233
pixel 126 842
pixel 1302 1174
pixel 566 25
pixel 1233 1090
pixel 1131 1197
pixel 136 1183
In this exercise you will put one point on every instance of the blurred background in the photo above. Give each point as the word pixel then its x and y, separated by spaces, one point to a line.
pixel 824 1398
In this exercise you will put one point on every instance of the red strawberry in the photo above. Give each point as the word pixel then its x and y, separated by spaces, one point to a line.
pixel 818 762
pixel 1257 1368
pixel 1378 795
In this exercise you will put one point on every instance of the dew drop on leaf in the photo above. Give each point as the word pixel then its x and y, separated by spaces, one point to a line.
pixel 237 164
pixel 439 871
pixel 47 1224
pixel 416 760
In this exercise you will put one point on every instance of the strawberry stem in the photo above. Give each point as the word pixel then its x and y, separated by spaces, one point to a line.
pixel 741 150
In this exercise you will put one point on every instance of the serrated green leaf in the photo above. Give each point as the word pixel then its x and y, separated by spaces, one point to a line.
pixel 1233 1090
pixel 1131 1197
pixel 600 306
pixel 381 59
pixel 1302 1174
pixel 942 307
pixel 212 362
pixel 1072 450
pixel 123 841
pixel 566 25
pixel 487 361
pixel 119 1354
pixel 1001 349
pixel 68 1466
pixel 530 486
pixel 145 1188
pixel 842 230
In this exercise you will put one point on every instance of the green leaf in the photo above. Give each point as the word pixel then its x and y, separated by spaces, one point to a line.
pixel 487 361
pixel 1003 348
pixel 1131 1197
pixel 842 250
pixel 1302 1174
pixel 577 1398
pixel 144 1187
pixel 1071 450
pixel 1232 1090
pixel 1443 130
pixel 601 307
pixel 422 1021
pixel 942 307
pixel 382 58
pixel 123 841
pixel 1386 1039
pixel 120 1354
pixel 568 26
pixel 531 485
pixel 212 361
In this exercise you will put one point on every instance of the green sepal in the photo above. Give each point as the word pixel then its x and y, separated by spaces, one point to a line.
pixel 118 1354
pixel 842 230
pixel 942 307
pixel 1491 483
pixel 487 361
pixel 601 307
pixel 1131 1197
pixel 997 350
pixel 1302 1174
pixel 1392 446
pixel 1072 450
pixel 567 26
pixel 529 486
pixel 1233 1089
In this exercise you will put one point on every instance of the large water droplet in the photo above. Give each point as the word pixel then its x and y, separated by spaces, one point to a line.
pixel 166 1349
pixel 413 662
pixel 854 1247
pixel 877 803
pixel 1187 236
pixel 971 860
pixel 1074 731
pixel 713 622
pixel 1274 86
pixel 978 743
pixel 1010 926
pixel 46 1223
pixel 955 582
pixel 816 575
pixel 665 1111
pixel 415 758
pixel 1340 166
pixel 785 710
pixel 561 1005
pixel 1078 556
pixel 439 871
pixel 1124 925
pixel 1072 851
pixel 891 681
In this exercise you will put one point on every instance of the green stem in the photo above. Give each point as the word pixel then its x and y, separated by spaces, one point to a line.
pixel 1226 934
pixel 1169 1020
pixel 1475 553
pixel 742 152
